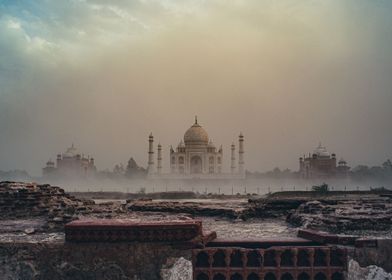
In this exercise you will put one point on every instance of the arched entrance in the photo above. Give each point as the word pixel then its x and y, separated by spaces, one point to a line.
pixel 196 165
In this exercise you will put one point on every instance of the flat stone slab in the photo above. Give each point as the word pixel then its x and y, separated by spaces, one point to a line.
pixel 122 230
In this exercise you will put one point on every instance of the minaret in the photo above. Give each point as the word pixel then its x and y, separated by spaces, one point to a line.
pixel 150 168
pixel 241 154
pixel 232 158
pixel 159 165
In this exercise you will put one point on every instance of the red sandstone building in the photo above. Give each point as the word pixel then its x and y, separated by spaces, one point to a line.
pixel 322 164
pixel 70 164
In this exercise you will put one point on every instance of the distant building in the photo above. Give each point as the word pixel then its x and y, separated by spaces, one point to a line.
pixel 322 164
pixel 133 170
pixel 70 164
pixel 342 170
pixel 196 157
pixel 119 169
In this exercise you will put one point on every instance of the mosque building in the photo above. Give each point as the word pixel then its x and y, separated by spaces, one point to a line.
pixel 70 164
pixel 322 164
pixel 196 157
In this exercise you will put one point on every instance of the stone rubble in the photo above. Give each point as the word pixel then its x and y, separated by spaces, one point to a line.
pixel 372 272
pixel 177 269
pixel 344 215
pixel 336 213
pixel 215 208
pixel 29 200
pixel 272 207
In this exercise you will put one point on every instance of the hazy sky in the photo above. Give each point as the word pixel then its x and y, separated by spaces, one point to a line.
pixel 104 74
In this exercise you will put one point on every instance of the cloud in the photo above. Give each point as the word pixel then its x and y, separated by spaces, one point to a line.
pixel 103 74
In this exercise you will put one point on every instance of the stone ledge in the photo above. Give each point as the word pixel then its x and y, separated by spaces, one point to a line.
pixel 121 230
pixel 327 238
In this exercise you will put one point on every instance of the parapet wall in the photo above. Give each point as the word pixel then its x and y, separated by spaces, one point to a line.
pixel 284 262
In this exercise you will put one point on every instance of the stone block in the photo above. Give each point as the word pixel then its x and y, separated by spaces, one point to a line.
pixel 116 230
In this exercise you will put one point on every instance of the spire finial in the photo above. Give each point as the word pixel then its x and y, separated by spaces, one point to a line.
pixel 196 119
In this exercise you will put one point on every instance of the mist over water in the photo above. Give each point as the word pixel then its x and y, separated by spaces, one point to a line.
pixel 249 186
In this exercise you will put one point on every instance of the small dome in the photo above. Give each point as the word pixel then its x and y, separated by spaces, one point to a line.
pixel 196 134
pixel 211 144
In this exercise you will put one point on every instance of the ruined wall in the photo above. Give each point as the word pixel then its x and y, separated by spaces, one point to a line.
pixel 85 261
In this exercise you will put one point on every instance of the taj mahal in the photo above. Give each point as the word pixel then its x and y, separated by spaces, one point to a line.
pixel 196 157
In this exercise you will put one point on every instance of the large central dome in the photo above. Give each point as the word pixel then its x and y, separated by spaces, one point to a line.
pixel 321 151
pixel 196 134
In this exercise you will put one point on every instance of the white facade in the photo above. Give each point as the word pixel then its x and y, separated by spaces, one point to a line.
pixel 196 157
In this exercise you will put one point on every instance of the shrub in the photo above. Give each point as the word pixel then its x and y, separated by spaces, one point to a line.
pixel 321 188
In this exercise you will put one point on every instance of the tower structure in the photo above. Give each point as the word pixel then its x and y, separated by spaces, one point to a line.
pixel 241 154
pixel 159 162
pixel 232 166
pixel 150 169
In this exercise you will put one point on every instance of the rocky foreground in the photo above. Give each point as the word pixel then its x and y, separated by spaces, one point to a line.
pixel 32 218
pixel 40 210
pixel 48 208
pixel 338 212
pixel 335 212
pixel 344 215
pixel 24 200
